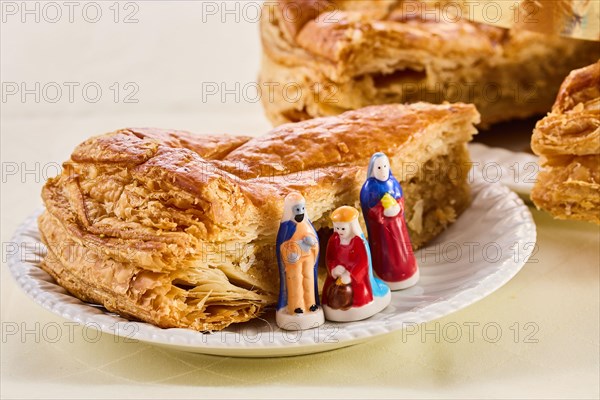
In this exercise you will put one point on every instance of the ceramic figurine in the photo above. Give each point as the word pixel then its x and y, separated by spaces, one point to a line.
pixel 351 292
pixel 297 250
pixel 382 204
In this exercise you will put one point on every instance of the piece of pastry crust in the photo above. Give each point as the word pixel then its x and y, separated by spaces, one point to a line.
pixel 179 230
pixel 324 57
pixel 568 139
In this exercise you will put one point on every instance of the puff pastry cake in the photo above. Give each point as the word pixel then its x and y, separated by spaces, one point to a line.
pixel 323 57
pixel 568 141
pixel 179 230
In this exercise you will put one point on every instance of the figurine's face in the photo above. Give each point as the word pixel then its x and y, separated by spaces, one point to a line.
pixel 342 229
pixel 298 212
pixel 381 169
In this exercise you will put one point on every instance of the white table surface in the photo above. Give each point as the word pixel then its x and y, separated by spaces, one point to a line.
pixel 170 53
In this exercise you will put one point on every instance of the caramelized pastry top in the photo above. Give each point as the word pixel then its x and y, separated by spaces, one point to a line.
pixel 348 39
pixel 190 161
pixel 228 179
pixel 582 86
pixel 356 37
pixel 573 125
pixel 350 138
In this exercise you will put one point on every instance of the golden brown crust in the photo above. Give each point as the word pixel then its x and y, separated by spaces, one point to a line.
pixel 136 145
pixel 298 12
pixel 568 138
pixel 352 39
pixel 178 230
pixel 350 139
pixel 359 53
pixel 582 86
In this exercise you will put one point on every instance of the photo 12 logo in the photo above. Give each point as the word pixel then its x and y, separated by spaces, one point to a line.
pixel 23 172
pixel 69 92
pixel 266 91
pixel 453 332
pixel 269 333
pixel 53 12
pixel 67 332
pixel 253 11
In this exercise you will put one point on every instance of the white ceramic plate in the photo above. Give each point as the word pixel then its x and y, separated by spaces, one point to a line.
pixel 479 253
pixel 517 170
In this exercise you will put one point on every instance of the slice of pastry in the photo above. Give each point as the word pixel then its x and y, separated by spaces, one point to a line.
pixel 323 57
pixel 179 230
pixel 568 141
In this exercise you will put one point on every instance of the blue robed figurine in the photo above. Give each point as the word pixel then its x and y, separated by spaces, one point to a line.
pixel 297 251
pixel 382 203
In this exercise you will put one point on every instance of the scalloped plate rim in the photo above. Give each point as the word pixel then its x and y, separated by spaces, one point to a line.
pixel 69 307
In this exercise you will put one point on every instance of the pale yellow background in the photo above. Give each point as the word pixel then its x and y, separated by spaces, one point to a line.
pixel 169 53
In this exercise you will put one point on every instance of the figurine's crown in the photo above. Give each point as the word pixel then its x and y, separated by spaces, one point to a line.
pixel 344 214
pixel 294 197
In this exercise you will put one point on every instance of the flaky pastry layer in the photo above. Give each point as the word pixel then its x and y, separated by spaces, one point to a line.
pixel 568 139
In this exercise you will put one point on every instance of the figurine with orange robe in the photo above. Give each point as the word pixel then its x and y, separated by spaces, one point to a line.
pixel 297 250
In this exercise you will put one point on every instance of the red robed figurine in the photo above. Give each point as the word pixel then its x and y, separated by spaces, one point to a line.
pixel 351 291
pixel 382 204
